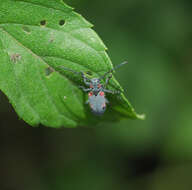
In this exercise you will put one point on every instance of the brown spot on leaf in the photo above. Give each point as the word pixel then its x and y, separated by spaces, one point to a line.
pixel 15 57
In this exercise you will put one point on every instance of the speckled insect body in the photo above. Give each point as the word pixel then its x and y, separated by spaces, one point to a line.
pixel 96 95
pixel 96 91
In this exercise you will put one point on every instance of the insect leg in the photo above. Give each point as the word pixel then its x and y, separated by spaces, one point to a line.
pixel 85 89
pixel 107 80
pixel 111 91
pixel 85 79
pixel 110 71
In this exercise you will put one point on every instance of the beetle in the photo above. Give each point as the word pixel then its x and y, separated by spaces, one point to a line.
pixel 96 91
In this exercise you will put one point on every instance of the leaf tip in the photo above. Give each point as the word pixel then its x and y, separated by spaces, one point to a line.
pixel 141 116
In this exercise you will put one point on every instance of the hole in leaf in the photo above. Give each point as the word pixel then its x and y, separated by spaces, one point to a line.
pixel 26 29
pixel 48 71
pixel 43 22
pixel 61 22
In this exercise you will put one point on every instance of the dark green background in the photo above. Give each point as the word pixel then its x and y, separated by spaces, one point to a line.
pixel 155 154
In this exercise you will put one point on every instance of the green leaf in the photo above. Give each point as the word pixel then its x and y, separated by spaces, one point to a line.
pixel 37 36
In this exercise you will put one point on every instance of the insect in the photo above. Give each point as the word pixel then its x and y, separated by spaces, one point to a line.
pixel 96 91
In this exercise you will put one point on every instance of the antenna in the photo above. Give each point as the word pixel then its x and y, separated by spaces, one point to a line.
pixel 110 71
pixel 71 70
pixel 75 72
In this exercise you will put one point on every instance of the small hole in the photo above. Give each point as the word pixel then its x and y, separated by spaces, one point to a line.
pixel 48 71
pixel 61 22
pixel 43 22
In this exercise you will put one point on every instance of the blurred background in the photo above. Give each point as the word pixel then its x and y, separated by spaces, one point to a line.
pixel 155 154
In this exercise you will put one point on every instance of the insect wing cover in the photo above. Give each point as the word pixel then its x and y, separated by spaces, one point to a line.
pixel 97 104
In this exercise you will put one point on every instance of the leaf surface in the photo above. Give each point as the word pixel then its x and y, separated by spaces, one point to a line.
pixel 36 38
